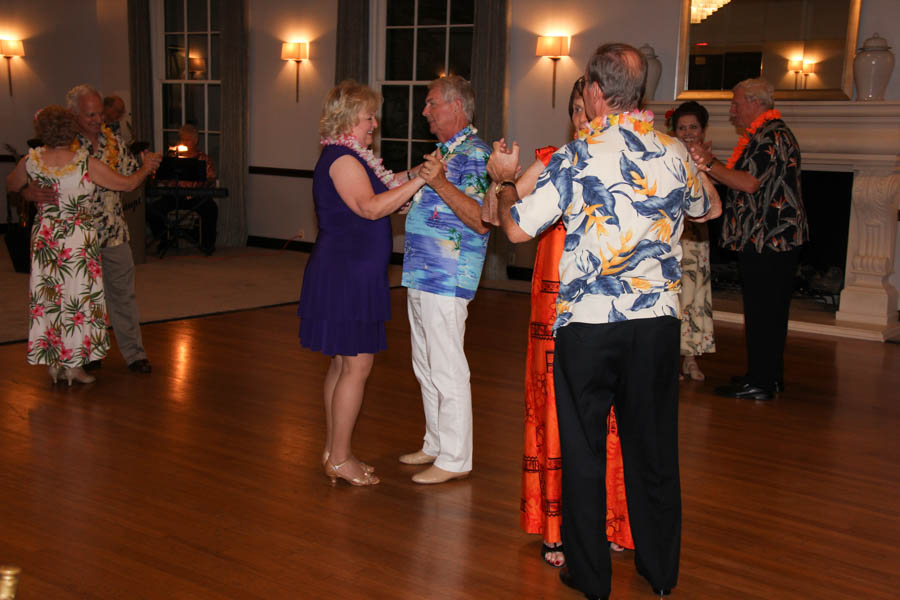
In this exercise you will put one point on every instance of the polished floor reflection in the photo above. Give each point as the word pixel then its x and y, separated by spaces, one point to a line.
pixel 202 480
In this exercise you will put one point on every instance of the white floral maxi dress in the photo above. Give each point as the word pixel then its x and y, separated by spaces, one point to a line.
pixel 68 325
pixel 696 292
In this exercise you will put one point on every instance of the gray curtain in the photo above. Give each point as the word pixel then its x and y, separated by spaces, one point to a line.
pixel 233 154
pixel 490 45
pixel 139 63
pixel 352 55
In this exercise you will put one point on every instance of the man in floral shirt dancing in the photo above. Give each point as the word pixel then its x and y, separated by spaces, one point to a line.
pixel 622 190
pixel 443 256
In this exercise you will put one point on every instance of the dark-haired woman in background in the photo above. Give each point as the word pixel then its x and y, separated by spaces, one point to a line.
pixel 689 122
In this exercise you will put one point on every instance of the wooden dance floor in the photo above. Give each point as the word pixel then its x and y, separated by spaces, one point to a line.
pixel 203 480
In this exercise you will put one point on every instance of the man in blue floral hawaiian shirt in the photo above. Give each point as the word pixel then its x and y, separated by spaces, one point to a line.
pixel 443 256
pixel 622 191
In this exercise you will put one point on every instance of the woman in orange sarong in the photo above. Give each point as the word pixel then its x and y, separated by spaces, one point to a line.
pixel 542 462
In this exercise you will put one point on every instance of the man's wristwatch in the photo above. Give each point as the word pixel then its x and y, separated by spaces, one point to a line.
pixel 501 184
pixel 711 162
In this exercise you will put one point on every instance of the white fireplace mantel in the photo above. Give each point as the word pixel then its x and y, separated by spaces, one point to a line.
pixel 862 138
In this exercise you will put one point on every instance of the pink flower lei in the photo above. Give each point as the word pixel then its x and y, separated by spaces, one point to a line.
pixel 348 141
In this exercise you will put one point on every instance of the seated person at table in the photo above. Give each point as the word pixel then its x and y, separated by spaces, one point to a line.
pixel 206 207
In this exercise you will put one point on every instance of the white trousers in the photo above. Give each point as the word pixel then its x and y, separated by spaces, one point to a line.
pixel 438 328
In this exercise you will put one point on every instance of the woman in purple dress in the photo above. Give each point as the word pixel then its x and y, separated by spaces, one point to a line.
pixel 345 299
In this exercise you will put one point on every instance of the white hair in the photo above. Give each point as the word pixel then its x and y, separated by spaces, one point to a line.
pixel 74 95
pixel 758 90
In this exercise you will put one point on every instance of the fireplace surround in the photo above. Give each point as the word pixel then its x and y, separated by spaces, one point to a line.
pixel 858 137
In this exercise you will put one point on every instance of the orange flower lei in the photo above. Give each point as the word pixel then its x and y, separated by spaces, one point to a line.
pixel 112 147
pixel 745 139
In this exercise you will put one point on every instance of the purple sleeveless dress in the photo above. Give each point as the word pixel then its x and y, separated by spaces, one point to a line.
pixel 345 299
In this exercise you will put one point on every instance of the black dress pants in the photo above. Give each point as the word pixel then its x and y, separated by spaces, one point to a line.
pixel 632 365
pixel 767 281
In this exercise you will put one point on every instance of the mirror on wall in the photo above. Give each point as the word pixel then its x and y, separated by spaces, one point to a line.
pixel 804 47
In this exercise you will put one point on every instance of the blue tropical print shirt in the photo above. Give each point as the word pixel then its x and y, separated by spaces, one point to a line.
pixel 621 190
pixel 441 254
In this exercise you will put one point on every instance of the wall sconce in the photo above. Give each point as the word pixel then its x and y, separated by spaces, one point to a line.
pixel 809 67
pixel 196 66
pixel 8 49
pixel 297 52
pixel 795 67
pixel 553 47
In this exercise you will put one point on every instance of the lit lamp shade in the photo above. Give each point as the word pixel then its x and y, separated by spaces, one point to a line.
pixel 809 67
pixel 795 65
pixel 552 45
pixel 12 48
pixel 295 51
pixel 197 65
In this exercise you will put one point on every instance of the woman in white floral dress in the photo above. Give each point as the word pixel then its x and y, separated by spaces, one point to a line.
pixel 689 121
pixel 68 325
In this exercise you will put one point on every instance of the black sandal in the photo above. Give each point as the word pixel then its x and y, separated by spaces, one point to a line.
pixel 545 550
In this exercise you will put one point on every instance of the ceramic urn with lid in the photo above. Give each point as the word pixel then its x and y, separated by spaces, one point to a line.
pixel 872 68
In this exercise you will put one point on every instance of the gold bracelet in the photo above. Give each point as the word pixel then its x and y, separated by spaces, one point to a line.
pixel 501 184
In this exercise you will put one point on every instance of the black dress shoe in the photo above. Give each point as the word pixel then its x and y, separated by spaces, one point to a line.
pixel 93 365
pixel 744 391
pixel 566 578
pixel 657 591
pixel 777 387
pixel 140 366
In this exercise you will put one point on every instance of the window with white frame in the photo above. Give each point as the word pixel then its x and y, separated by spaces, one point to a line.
pixel 416 42
pixel 187 65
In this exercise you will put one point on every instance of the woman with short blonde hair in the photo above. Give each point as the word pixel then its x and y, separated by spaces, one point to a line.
pixel 345 299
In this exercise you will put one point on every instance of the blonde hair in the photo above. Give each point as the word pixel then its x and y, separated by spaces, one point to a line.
pixel 343 105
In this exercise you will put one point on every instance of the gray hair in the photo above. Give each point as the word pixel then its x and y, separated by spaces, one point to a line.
pixel 455 88
pixel 621 72
pixel 758 90
pixel 74 95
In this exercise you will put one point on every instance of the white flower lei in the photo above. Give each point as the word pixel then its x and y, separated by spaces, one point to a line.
pixel 448 150
pixel 348 141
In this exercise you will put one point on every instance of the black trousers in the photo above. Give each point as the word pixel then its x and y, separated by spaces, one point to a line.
pixel 632 365
pixel 767 281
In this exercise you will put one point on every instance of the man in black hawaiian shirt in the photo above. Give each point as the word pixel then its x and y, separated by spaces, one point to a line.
pixel 765 221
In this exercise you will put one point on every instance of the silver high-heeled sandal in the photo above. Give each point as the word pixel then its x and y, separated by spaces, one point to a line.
pixel 369 468
pixel 78 374
pixel 334 473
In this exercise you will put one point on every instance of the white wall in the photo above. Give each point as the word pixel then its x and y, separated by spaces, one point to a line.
pixel 65 45
pixel 283 132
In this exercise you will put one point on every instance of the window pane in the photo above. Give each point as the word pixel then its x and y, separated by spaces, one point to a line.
pixel 420 128
pixel 215 63
pixel 393 155
pixel 395 111
pixel 197 57
pixel 400 12
pixel 171 105
pixel 174 15
pixel 398 61
pixel 174 57
pixel 462 12
pixel 214 98
pixel 419 150
pixel 194 103
pixel 432 12
pixel 430 53
pixel 213 143
pixel 461 51
pixel 215 17
pixel 196 15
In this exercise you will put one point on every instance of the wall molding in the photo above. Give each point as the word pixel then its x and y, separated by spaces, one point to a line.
pixel 280 172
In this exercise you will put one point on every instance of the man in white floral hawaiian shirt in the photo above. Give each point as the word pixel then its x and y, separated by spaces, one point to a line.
pixel 622 191
pixel 118 264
